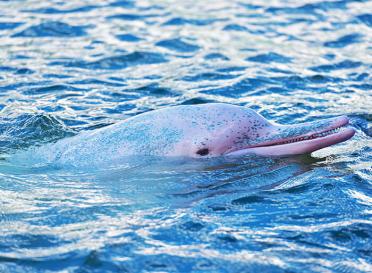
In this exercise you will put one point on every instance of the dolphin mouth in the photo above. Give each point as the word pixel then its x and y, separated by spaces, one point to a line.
pixel 337 131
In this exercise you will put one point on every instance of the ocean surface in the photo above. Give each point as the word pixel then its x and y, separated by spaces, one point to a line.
pixel 72 66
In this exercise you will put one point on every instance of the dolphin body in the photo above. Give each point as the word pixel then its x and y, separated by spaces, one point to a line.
pixel 197 131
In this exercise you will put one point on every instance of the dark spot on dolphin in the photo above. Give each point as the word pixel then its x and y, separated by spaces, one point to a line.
pixel 203 152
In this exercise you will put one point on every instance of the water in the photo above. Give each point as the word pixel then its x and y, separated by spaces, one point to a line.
pixel 73 66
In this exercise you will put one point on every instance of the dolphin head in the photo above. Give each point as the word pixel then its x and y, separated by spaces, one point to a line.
pixel 227 130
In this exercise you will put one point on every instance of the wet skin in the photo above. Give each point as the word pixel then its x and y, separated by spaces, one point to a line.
pixel 198 131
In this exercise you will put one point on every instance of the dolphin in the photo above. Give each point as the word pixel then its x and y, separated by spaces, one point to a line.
pixel 196 131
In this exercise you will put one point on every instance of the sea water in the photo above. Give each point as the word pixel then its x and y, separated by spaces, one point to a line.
pixel 73 66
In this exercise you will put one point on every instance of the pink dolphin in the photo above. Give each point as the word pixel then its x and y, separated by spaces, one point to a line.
pixel 198 131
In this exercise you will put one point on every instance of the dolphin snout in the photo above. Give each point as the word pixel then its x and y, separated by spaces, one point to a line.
pixel 341 121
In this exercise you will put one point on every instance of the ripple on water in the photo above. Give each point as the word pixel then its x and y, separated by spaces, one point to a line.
pixel 51 89
pixel 128 38
pixel 344 41
pixel 269 58
pixel 52 29
pixel 130 17
pixel 235 27
pixel 237 89
pixel 212 56
pixel 9 25
pixel 19 132
pixel 117 62
pixel 179 21
pixel 178 45
pixel 347 64
pixel 366 19
pixel 50 10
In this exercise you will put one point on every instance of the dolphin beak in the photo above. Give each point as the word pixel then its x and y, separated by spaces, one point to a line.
pixel 300 138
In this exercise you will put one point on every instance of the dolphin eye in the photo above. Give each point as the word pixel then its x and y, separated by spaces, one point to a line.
pixel 202 152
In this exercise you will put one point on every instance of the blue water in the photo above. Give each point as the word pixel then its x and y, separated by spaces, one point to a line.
pixel 72 66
